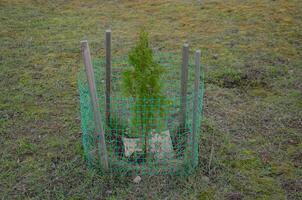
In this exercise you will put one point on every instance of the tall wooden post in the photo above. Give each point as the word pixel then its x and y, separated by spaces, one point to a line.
pixel 108 75
pixel 195 104
pixel 184 85
pixel 99 132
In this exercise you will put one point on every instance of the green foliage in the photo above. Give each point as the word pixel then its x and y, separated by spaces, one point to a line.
pixel 225 77
pixel 25 147
pixel 207 194
pixel 142 82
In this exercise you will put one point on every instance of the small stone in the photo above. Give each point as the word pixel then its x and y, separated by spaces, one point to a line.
pixel 215 56
pixel 137 179
pixel 205 179
pixel 109 192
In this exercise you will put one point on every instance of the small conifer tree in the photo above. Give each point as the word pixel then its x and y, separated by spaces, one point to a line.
pixel 142 82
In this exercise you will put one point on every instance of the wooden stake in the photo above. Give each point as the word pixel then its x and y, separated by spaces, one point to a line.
pixel 99 132
pixel 108 75
pixel 184 85
pixel 195 102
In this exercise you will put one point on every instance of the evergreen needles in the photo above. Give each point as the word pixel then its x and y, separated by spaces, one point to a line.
pixel 142 82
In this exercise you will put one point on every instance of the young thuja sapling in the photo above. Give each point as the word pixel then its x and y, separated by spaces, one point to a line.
pixel 142 82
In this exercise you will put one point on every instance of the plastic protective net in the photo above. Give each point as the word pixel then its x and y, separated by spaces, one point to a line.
pixel 164 147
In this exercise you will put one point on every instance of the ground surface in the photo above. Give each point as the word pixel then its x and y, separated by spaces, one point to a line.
pixel 251 145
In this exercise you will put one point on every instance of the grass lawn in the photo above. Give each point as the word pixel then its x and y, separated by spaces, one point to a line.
pixel 251 145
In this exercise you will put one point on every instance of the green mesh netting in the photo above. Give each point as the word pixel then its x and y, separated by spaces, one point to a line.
pixel 169 145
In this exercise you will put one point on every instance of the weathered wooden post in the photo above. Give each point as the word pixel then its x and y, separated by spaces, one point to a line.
pixel 195 103
pixel 99 132
pixel 108 75
pixel 184 85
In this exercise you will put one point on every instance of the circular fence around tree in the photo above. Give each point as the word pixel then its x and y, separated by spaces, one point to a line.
pixel 171 140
